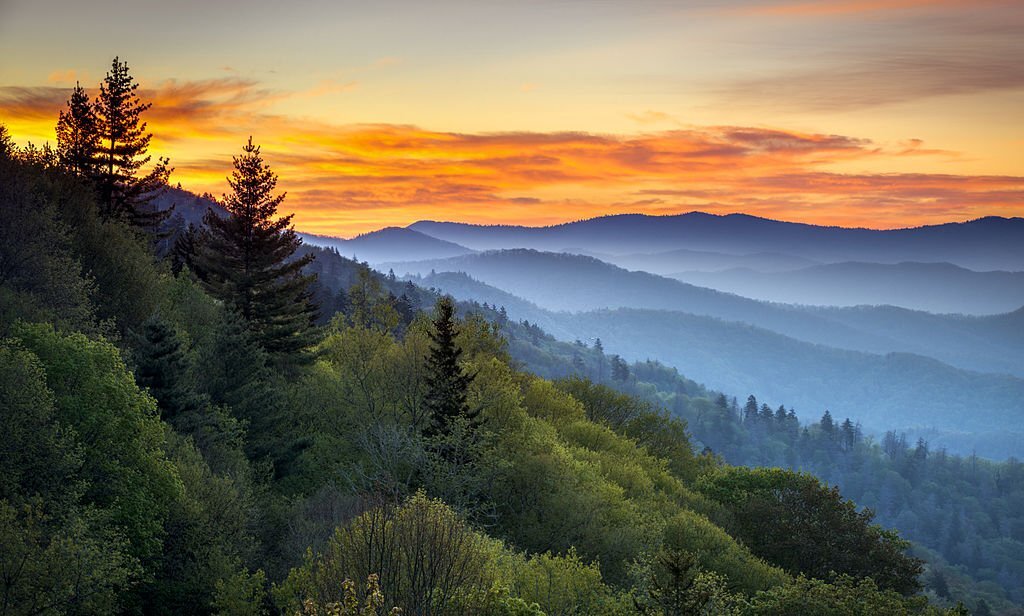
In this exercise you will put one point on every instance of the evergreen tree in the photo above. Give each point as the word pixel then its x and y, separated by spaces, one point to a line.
pixel 828 426
pixel 123 143
pixel 447 382
pixel 162 367
pixel 6 145
pixel 620 369
pixel 750 410
pixel 246 261
pixel 185 248
pixel 78 135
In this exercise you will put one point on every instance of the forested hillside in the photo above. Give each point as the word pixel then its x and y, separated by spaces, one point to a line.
pixel 962 512
pixel 891 391
pixel 565 282
pixel 195 424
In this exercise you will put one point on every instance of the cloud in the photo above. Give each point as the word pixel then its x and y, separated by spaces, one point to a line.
pixel 831 8
pixel 883 53
pixel 651 117
pixel 345 179
pixel 898 76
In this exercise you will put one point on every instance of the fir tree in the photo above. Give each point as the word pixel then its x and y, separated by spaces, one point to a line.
pixel 163 368
pixel 123 143
pixel 750 410
pixel 6 145
pixel 447 382
pixel 246 260
pixel 78 135
pixel 185 248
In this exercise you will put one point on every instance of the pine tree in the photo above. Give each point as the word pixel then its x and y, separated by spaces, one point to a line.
pixel 163 368
pixel 828 426
pixel 123 143
pixel 78 135
pixel 246 260
pixel 185 248
pixel 447 382
pixel 750 410
pixel 6 145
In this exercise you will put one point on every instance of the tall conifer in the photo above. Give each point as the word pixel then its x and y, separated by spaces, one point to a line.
pixel 123 143
pixel 78 135
pixel 447 382
pixel 246 260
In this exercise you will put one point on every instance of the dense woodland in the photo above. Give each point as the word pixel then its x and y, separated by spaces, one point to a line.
pixel 965 515
pixel 212 418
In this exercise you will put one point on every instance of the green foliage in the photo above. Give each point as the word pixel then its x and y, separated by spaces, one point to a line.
pixel 844 597
pixel 792 520
pixel 244 260
pixel 209 535
pixel 242 594
pixel 671 583
pixel 122 439
pixel 447 388
pixel 604 404
pixel 55 555
pixel 41 276
pixel 423 553
pixel 162 368
pixel 565 586
pixel 71 564
pixel 38 456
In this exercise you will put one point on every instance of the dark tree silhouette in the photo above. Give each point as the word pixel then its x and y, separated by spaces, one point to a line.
pixel 78 135
pixel 245 259
pixel 124 192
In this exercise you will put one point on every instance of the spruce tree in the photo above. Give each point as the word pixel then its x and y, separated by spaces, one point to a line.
pixel 163 369
pixel 447 382
pixel 123 142
pixel 246 260
pixel 78 135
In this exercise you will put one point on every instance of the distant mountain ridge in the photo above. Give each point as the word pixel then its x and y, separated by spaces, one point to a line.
pixel 991 243
pixel 564 282
pixel 885 391
pixel 389 244
pixel 934 287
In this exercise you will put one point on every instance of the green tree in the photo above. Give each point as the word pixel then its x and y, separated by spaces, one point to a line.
pixel 125 469
pixel 162 367
pixel 790 519
pixel 124 190
pixel 424 555
pixel 246 261
pixel 447 381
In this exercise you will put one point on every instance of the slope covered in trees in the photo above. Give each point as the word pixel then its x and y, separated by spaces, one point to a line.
pixel 896 391
pixel 171 458
pixel 961 511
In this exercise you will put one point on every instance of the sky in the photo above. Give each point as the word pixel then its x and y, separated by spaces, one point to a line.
pixel 872 113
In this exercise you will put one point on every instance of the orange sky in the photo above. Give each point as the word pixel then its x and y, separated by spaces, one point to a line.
pixel 805 111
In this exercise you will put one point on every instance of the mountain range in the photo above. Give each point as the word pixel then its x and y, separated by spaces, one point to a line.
pixel 933 287
pixel 956 408
pixel 991 243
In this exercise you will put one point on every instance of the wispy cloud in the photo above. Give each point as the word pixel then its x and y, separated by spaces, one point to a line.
pixel 886 52
pixel 345 179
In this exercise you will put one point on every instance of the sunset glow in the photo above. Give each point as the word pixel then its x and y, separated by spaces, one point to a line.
pixel 842 113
